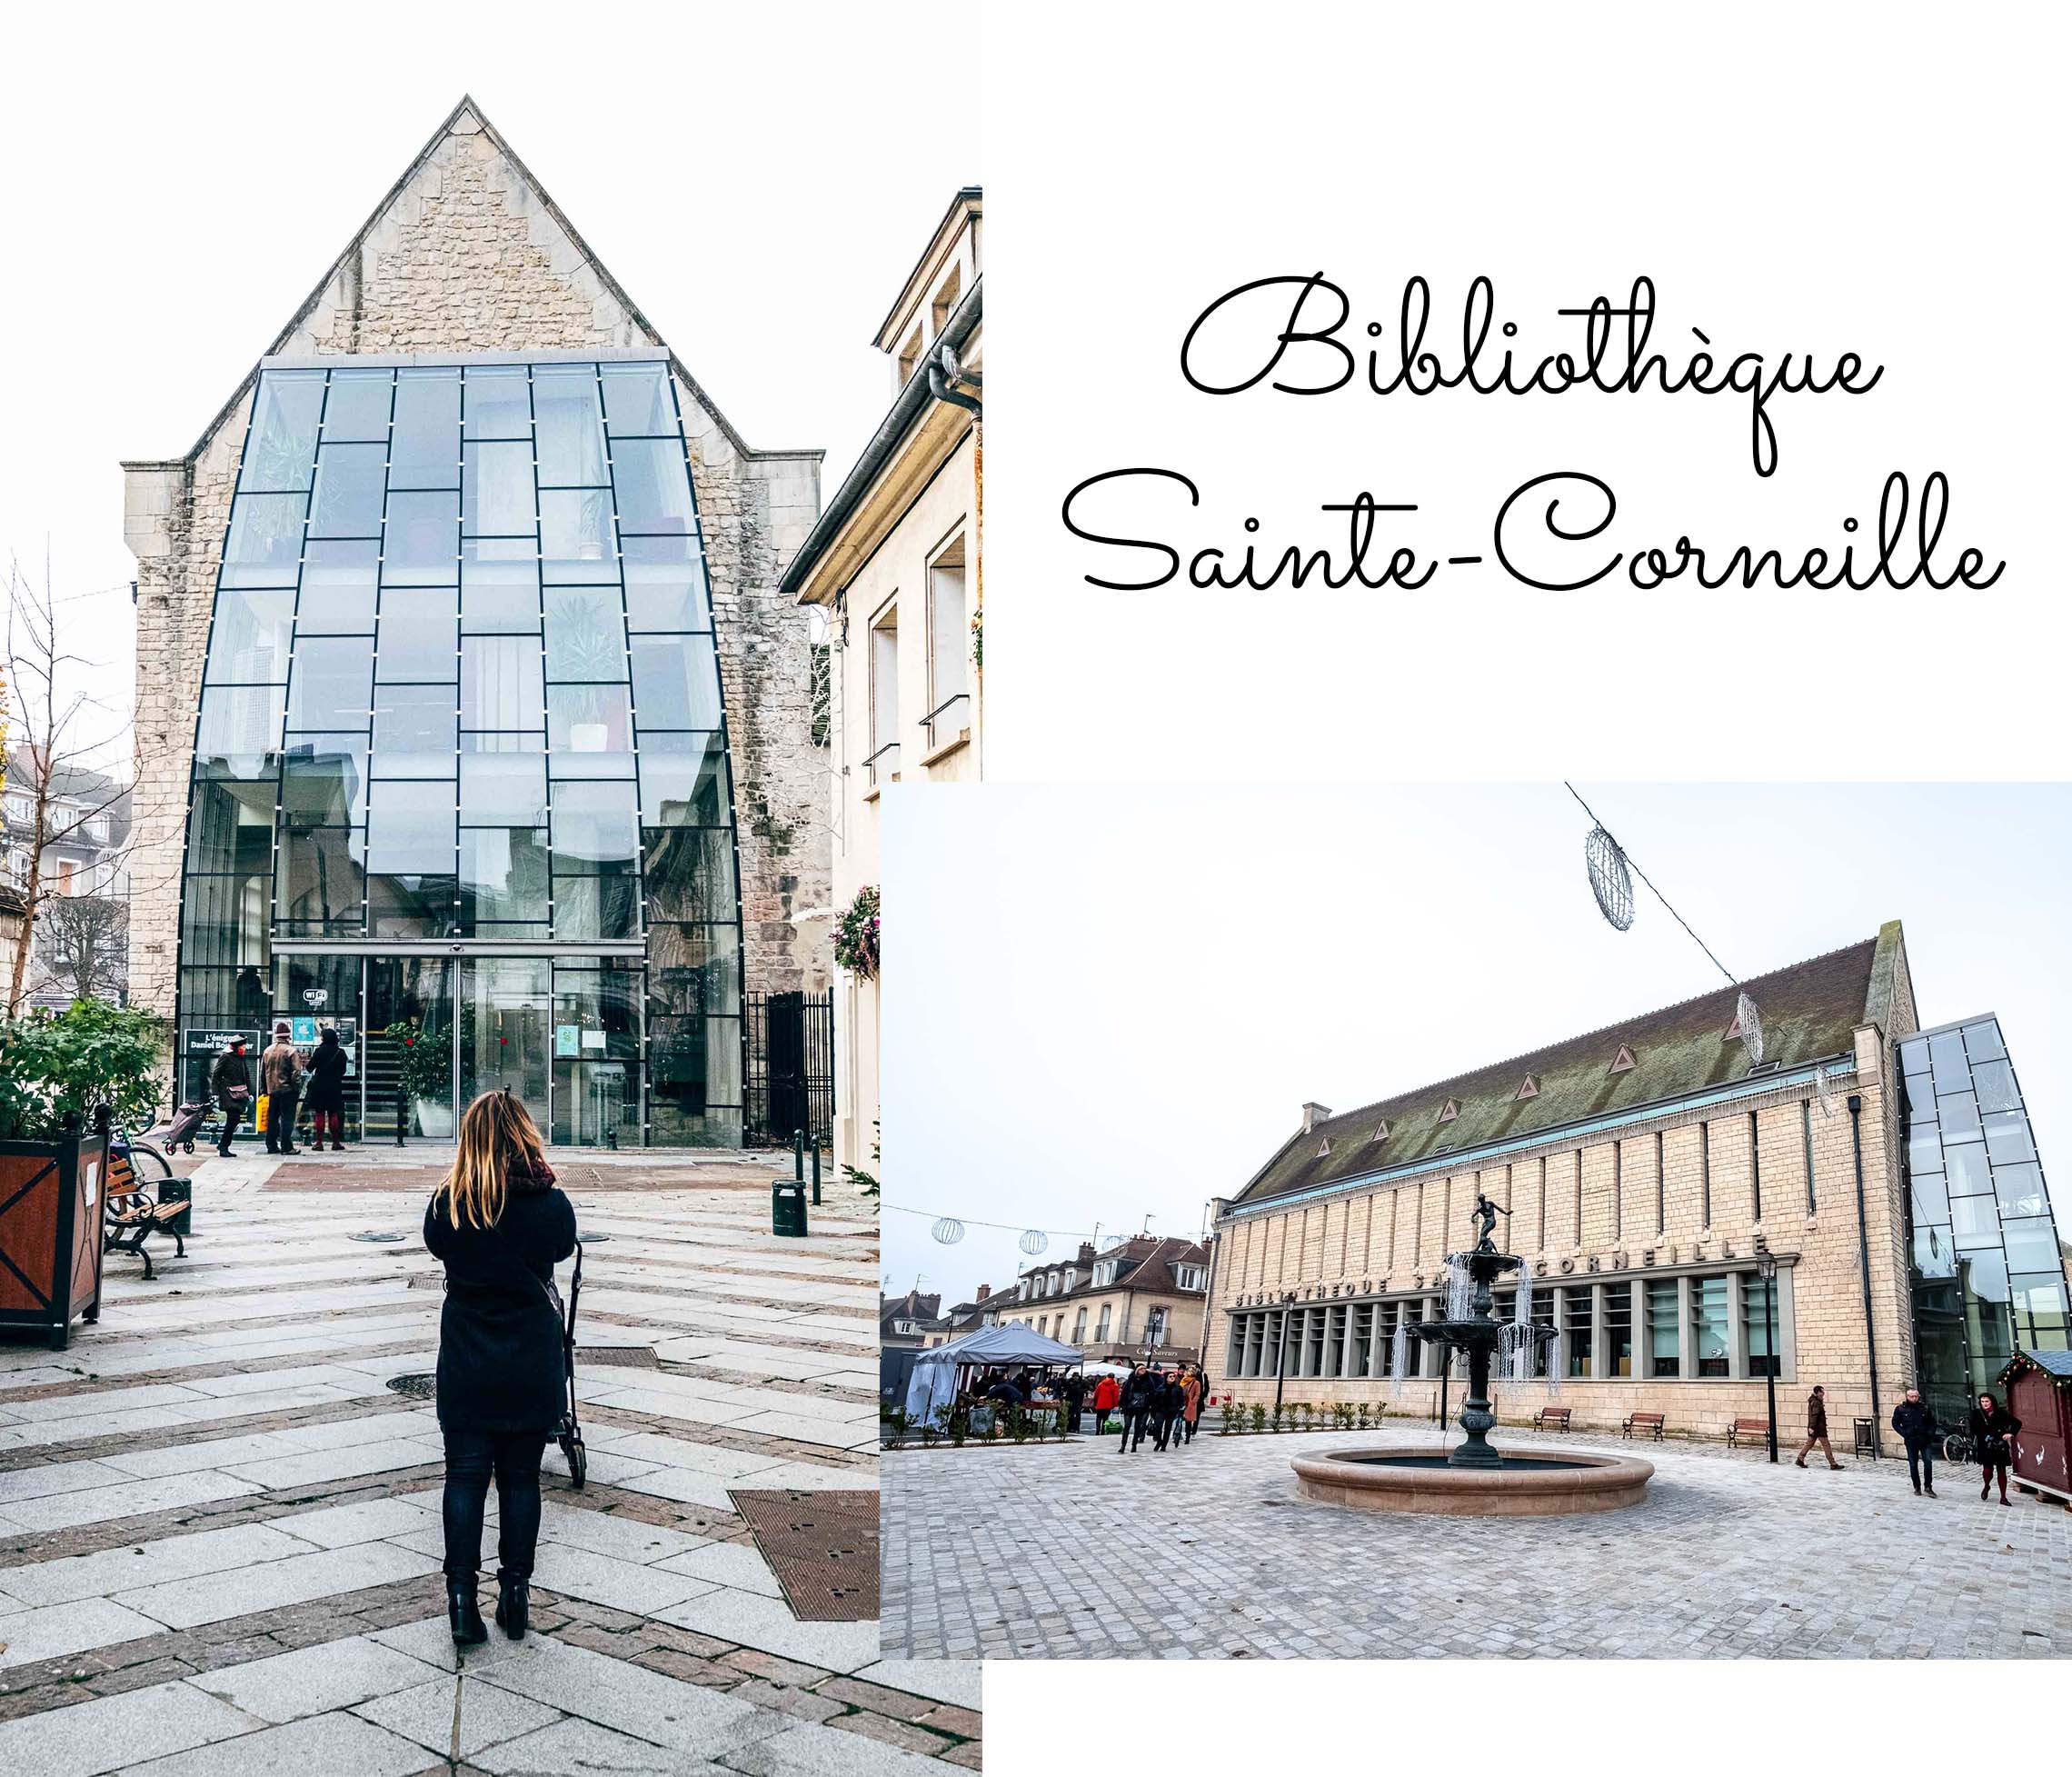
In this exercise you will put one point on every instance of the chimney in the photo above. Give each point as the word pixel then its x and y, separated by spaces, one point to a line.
pixel 1313 1114
pixel 1086 1253
pixel 985 1290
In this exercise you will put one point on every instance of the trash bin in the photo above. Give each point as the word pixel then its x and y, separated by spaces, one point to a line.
pixel 178 1190
pixel 788 1207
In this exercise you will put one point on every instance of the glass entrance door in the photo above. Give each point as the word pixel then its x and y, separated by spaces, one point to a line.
pixel 409 1049
pixel 505 1030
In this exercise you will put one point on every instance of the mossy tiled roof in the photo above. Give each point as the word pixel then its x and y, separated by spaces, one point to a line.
pixel 1808 1014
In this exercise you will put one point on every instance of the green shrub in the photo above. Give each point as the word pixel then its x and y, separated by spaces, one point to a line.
pixel 1256 1413
pixel 56 1072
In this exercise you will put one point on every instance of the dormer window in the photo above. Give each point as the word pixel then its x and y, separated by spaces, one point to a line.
pixel 1381 1132
pixel 1448 1110
pixel 1623 1062
pixel 1325 1147
pixel 1105 1274
pixel 1531 1089
pixel 1191 1277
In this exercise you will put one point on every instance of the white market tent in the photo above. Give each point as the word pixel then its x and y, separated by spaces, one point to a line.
pixel 934 1379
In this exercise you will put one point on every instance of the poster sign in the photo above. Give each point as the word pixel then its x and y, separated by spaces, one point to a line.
pixel 303 1033
pixel 594 1039
pixel 217 1043
pixel 317 998
pixel 565 1039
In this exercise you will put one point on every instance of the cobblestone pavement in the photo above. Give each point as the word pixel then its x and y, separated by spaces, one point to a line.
pixel 1066 1550
pixel 219 1528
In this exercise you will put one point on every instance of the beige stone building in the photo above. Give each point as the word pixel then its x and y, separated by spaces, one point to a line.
pixel 1144 1294
pixel 608 934
pixel 1648 1169
pixel 894 563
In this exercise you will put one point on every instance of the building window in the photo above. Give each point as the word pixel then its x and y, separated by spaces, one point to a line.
pixel 1155 1327
pixel 1576 1329
pixel 1191 1277
pixel 1100 1332
pixel 1664 1349
pixel 1709 1336
pixel 883 763
pixel 1759 1309
pixel 1618 1330
pixel 949 716
pixel 1078 1326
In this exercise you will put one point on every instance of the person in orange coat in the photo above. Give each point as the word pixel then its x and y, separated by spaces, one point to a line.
pixel 1190 1412
pixel 1105 1394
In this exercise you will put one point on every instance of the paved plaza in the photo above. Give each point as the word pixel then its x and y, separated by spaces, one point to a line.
pixel 1069 1550
pixel 219 1530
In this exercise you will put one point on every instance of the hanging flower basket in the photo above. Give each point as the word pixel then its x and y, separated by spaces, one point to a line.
pixel 856 935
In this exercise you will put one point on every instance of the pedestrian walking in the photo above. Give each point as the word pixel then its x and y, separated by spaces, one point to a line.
pixel 1992 1429
pixel 231 1080
pixel 1106 1393
pixel 280 1078
pixel 1816 1428
pixel 1173 1401
pixel 1915 1421
pixel 1138 1389
pixel 499 1225
pixel 327 1095
pixel 1192 1388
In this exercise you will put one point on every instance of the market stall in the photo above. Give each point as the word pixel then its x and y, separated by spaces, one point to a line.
pixel 941 1375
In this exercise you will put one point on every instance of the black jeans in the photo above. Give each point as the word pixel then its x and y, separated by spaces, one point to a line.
pixel 1921 1464
pixel 233 1114
pixel 281 1123
pixel 1133 1426
pixel 513 1458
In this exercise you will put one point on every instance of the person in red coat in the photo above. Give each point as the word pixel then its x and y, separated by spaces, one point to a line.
pixel 1105 1395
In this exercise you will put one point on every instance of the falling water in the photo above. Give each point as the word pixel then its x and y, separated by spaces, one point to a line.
pixel 1459 1287
pixel 1556 1364
pixel 1399 1353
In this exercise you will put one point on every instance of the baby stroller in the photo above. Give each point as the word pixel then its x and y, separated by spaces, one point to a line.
pixel 186 1124
pixel 569 1433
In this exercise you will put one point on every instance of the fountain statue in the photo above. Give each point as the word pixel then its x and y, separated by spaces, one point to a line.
pixel 1479 1333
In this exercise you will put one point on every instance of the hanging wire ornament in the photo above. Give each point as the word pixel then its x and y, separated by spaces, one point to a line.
pixel 1033 1241
pixel 949 1230
pixel 1610 881
pixel 1751 1024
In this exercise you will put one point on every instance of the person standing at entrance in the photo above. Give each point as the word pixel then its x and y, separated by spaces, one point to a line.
pixel 326 1097
pixel 1915 1421
pixel 1992 1429
pixel 231 1080
pixel 280 1078
pixel 1817 1429
pixel 500 1226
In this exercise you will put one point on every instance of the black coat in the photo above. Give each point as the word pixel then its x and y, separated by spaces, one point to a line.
pixel 230 1074
pixel 1914 1422
pixel 1137 1392
pixel 500 1334
pixel 326 1091
pixel 1989 1435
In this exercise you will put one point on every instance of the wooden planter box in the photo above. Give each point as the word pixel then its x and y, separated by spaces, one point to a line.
pixel 50 1234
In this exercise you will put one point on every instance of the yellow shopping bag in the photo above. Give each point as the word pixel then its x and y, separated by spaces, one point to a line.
pixel 265 1098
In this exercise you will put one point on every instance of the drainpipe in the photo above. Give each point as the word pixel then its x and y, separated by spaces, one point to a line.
pixel 942 373
pixel 1863 1262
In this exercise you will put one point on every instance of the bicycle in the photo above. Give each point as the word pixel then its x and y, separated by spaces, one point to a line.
pixel 1958 1449
pixel 145 1161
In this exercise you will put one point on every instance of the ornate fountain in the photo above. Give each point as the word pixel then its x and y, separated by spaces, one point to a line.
pixel 1475 1478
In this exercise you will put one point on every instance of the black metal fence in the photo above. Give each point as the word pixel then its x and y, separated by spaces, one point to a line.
pixel 791 1068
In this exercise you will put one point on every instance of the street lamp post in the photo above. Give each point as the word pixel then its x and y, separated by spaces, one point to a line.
pixel 1280 1356
pixel 1766 1269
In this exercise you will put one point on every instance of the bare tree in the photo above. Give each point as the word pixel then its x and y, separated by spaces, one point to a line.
pixel 48 747
pixel 83 947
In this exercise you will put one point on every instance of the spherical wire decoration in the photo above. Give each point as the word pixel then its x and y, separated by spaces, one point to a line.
pixel 1610 881
pixel 949 1230
pixel 1751 1029
pixel 1034 1242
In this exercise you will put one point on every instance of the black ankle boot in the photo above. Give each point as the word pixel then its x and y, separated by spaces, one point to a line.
pixel 511 1607
pixel 463 1614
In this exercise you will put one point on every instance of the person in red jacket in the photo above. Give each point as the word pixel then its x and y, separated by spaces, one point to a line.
pixel 1105 1395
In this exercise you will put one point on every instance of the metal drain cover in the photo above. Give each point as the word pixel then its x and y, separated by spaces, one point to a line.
pixel 626 1357
pixel 418 1387
pixel 822 1546
pixel 376 1236
pixel 593 1239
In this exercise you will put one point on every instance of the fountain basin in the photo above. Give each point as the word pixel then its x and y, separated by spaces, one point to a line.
pixel 1545 1484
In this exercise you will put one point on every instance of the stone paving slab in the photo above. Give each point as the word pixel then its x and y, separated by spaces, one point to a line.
pixel 313 1681
pixel 334 1742
pixel 109 1734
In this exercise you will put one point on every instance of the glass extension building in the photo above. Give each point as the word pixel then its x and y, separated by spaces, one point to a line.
pixel 461 786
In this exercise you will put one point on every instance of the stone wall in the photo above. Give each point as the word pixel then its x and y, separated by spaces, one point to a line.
pixel 467 256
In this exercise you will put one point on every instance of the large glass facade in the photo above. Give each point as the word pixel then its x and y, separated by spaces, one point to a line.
pixel 462 702
pixel 1987 1272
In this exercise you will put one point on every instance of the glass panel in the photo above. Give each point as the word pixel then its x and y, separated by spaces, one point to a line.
pixel 358 406
pixel 675 682
pixel 693 968
pixel 320 880
pixel 1576 1332
pixel 637 399
pixel 595 825
pixel 411 830
pixel 1758 1310
pixel 338 589
pixel 1945 1054
pixel 575 535
pixel 1995 1084
pixel 571 431
pixel 500 586
pixel 1982 1042
pixel 323 779
pixel 496 493
pixel 2039 1313
pixel 587 634
pixel 410 1040
pixel 1934 1255
pixel 1931 1197
pixel 233 825
pixel 500 683
pixel 1976 1220
pixel 1958 1114
pixel 1619 1329
pixel 239 728
pixel 1709 1323
pixel 504 875
pixel 425 451
pixel 416 732
pixel 504 789
pixel 590 731
pixel 1968 1174
pixel 2031 1245
pixel 690 873
pixel 265 547
pixel 333 682
pixel 499 401
pixel 413 907
pixel 652 486
pixel 596 1048
pixel 1923 1148
pixel 223 918
pixel 1664 1351
pixel 249 641
pixel 2007 1139
pixel 594 907
pixel 665 583
pixel 2020 1190
pixel 283 431
pixel 420 635
pixel 682 779
pixel 350 484
pixel 505 1030
pixel 421 547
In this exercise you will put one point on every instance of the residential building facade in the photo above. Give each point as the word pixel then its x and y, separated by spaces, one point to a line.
pixel 895 564
pixel 469 646
pixel 1650 1173
pixel 1135 1298
pixel 83 945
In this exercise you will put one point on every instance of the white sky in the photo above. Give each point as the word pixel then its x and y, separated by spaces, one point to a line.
pixel 759 179
pixel 1126 994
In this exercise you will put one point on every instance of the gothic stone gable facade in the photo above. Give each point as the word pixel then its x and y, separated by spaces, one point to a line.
pixel 468 253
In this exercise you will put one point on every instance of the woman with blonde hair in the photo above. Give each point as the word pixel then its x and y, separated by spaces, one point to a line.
pixel 500 1226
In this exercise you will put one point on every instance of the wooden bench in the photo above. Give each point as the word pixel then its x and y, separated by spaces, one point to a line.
pixel 1748 1431
pixel 131 1215
pixel 1643 1421
pixel 1551 1419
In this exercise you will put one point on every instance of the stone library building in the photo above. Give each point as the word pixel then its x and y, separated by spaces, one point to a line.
pixel 1850 1199
pixel 478 729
